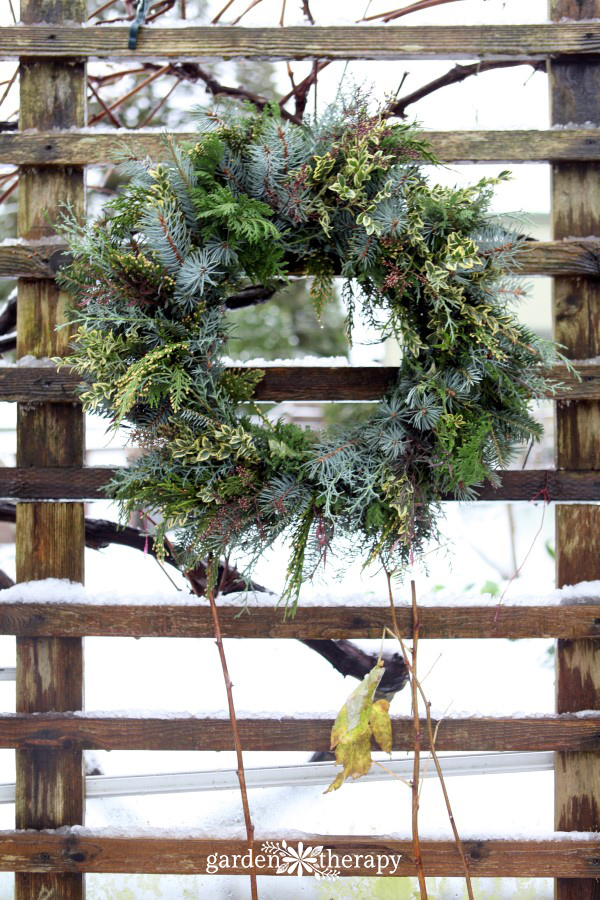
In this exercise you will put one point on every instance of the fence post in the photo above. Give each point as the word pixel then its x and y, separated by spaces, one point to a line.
pixel 575 98
pixel 50 536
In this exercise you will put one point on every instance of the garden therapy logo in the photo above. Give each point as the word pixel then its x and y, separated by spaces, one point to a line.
pixel 300 860
pixel 303 860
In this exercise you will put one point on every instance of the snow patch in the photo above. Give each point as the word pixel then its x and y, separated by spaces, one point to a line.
pixel 56 590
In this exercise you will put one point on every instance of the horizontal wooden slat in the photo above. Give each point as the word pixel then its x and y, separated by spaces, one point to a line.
pixel 69 483
pixel 567 257
pixel 94 852
pixel 72 148
pixel 328 622
pixel 336 42
pixel 46 385
pixel 64 730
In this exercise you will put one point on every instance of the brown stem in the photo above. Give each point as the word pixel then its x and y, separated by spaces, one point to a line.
pixel 131 93
pixel 236 735
pixel 101 9
pixel 232 716
pixel 416 753
pixel 9 190
pixel 113 118
pixel 406 10
pixel 416 684
pixel 9 84
pixel 222 12
pixel 455 75
pixel 246 11
pixel 307 12
pixel 158 106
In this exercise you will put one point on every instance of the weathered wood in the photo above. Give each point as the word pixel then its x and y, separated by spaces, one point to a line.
pixel 575 98
pixel 337 42
pixel 570 256
pixel 90 483
pixel 165 854
pixel 136 619
pixel 89 148
pixel 279 383
pixel 67 731
pixel 50 784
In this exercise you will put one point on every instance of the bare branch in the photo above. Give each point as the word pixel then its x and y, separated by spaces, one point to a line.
pixel 111 115
pixel 247 10
pixel 222 12
pixel 307 12
pixel 455 75
pixel 406 10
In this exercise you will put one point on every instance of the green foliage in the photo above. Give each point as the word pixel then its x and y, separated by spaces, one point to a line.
pixel 252 199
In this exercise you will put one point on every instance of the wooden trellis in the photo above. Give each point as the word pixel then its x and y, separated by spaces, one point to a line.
pixel 50 535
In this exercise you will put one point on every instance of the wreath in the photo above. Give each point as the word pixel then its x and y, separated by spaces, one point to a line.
pixel 245 205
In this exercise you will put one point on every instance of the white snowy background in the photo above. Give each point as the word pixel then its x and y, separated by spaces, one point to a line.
pixel 480 547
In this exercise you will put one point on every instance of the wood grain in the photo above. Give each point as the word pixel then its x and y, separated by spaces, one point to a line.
pixel 53 148
pixel 90 483
pixel 280 383
pixel 574 98
pixel 136 619
pixel 337 42
pixel 49 538
pixel 64 732
pixel 571 256
pixel 164 854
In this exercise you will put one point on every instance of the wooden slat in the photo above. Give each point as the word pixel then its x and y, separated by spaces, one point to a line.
pixel 58 731
pixel 574 97
pixel 165 854
pixel 332 622
pixel 567 257
pixel 280 383
pixel 56 149
pixel 336 42
pixel 89 483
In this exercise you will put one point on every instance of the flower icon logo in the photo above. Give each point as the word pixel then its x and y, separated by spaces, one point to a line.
pixel 299 861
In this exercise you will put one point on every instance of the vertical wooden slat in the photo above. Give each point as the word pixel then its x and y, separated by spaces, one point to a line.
pixel 575 98
pixel 50 537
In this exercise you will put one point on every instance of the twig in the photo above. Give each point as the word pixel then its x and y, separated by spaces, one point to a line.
pixel 236 735
pixel 12 11
pixel 9 190
pixel 406 10
pixel 113 118
pixel 246 11
pixel 9 84
pixel 416 752
pixel 458 73
pixel 131 93
pixel 158 106
pixel 222 12
pixel 307 13
pixel 232 716
pixel 282 13
pixel 101 9
pixel 430 731
pixel 436 761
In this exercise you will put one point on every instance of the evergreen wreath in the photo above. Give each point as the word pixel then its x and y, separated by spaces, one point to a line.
pixel 252 198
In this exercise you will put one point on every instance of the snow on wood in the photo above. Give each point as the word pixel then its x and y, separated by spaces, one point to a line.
pixel 55 590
